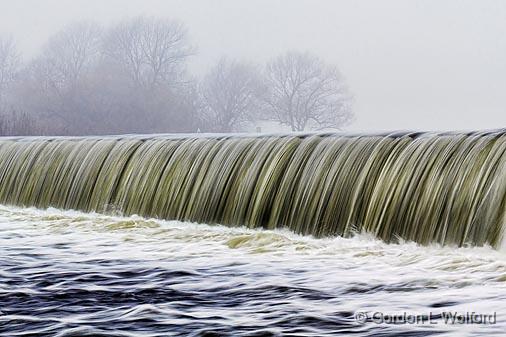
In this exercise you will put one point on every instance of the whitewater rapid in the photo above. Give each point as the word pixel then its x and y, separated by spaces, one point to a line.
pixel 66 273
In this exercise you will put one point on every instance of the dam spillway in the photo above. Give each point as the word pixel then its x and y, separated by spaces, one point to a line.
pixel 447 188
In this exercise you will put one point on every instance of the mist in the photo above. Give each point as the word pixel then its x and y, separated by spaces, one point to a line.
pixel 416 65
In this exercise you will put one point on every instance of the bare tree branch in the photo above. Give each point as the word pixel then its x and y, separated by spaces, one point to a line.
pixel 229 92
pixel 152 51
pixel 306 93
pixel 9 66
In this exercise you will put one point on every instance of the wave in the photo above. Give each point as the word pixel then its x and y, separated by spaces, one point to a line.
pixel 65 273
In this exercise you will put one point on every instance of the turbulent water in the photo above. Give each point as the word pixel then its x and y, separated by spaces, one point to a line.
pixel 448 188
pixel 367 198
pixel 66 273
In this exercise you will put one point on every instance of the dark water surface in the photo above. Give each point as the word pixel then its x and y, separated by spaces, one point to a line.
pixel 65 273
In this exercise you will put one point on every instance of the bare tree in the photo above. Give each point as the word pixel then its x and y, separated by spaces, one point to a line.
pixel 57 79
pixel 68 56
pixel 230 93
pixel 305 93
pixel 14 123
pixel 152 51
pixel 130 78
pixel 9 66
pixel 73 51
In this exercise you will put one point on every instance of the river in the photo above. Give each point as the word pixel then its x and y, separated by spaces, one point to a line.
pixel 67 273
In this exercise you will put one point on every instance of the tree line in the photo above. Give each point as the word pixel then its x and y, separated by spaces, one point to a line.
pixel 133 77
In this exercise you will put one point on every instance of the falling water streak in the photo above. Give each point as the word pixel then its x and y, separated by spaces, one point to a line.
pixel 442 188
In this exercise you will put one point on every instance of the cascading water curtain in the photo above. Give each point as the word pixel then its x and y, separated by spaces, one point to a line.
pixel 442 188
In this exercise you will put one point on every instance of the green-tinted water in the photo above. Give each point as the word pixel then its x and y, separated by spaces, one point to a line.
pixel 445 188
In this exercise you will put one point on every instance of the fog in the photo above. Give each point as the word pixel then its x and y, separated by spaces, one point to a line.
pixel 422 65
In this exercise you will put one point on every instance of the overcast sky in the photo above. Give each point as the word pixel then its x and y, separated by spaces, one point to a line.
pixel 429 65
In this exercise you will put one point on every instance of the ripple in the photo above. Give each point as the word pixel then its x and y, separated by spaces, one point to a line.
pixel 65 273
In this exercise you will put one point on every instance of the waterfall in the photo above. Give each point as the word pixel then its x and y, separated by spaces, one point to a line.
pixel 447 188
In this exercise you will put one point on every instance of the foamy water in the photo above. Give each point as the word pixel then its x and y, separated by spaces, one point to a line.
pixel 66 273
